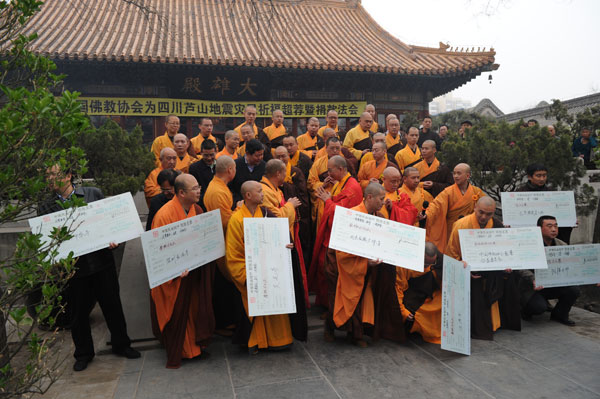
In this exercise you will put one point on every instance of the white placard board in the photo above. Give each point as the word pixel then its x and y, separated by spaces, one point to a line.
pixel 570 265
pixel 374 237
pixel 269 275
pixel 524 208
pixel 500 249
pixel 94 226
pixel 187 244
pixel 456 307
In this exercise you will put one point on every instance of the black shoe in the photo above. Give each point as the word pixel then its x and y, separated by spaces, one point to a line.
pixel 128 352
pixel 566 322
pixel 80 364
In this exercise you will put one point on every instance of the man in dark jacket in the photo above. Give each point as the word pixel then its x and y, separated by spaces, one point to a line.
pixel 249 167
pixel 95 279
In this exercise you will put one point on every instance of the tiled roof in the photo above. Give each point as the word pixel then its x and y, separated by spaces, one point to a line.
pixel 301 34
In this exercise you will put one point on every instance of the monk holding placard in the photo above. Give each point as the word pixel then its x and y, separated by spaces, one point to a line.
pixel 182 313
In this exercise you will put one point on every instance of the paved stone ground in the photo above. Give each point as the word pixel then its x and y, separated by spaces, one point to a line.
pixel 545 360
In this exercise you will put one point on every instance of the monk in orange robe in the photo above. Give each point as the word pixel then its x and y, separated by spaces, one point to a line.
pixel 298 158
pixel 435 177
pixel 345 192
pixel 350 159
pixel 377 138
pixel 168 160
pixel 420 296
pixel 258 133
pixel 310 142
pixel 166 140
pixel 372 171
pixel 184 159
pixel 409 155
pixel 354 304
pixel 206 128
pixel 182 308
pixel 497 288
pixel 232 142
pixel 276 131
pixel 411 188
pixel 246 135
pixel 454 202
pixel 218 196
pixel 259 332
pixel 358 139
pixel 331 120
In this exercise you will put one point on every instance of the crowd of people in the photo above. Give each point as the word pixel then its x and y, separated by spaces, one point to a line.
pixel 372 169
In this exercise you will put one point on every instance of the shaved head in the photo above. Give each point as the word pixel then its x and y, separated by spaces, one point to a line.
pixel 461 174
pixel 391 172
pixel 180 136
pixel 338 162
pixel 380 146
pixel 430 249
pixel 429 142
pixel 166 152
pixel 248 186
pixel 273 167
pixel 486 201
pixel 281 151
pixel 378 138
pixel 392 178
pixel 373 189
pixel 366 115
pixel 409 170
pixel 329 132
pixel 484 210
pixel 230 133
pixel 464 167
pixel 223 163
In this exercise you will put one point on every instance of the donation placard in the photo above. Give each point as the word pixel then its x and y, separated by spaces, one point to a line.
pixel 524 208
pixel 499 249
pixel 570 265
pixel 373 237
pixel 187 244
pixel 269 276
pixel 456 307
pixel 94 226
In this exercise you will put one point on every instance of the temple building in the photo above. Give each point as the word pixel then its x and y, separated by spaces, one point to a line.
pixel 197 58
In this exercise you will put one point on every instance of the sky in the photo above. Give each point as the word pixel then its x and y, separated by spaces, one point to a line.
pixel 546 49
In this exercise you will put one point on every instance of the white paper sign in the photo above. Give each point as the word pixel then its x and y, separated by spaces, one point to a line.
pixel 269 276
pixel 524 208
pixel 499 249
pixel 570 265
pixel 94 226
pixel 187 244
pixel 374 237
pixel 456 307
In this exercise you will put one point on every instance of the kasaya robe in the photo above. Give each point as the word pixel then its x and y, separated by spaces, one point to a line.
pixel 420 293
pixel 151 187
pixel 439 174
pixel 345 193
pixel 394 144
pixel 370 170
pixel 183 164
pixel 196 142
pixel 369 157
pixel 407 157
pixel 354 301
pixel 219 197
pixel 275 135
pixel 495 300
pixel 159 143
pixel 273 331
pixel 446 209
pixel 301 161
pixel 182 309
pixel 357 140
pixel 317 175
pixel 308 143
pixel 295 186
pixel 224 151
pixel 417 197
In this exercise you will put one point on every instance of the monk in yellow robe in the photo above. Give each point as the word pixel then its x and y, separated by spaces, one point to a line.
pixel 166 140
pixel 232 142
pixel 218 196
pixel 350 159
pixel 276 131
pixel 358 139
pixel 310 142
pixel 258 133
pixel 416 193
pixel 376 138
pixel 168 160
pixel 435 177
pixel 372 171
pixel 319 177
pixel 370 108
pixel 331 120
pixel 265 331
pixel 182 307
pixel 354 304
pixel 206 128
pixel 393 140
pixel 298 159
pixel 454 202
pixel 409 155
pixel 184 159
pixel 246 135
pixel 420 296
pixel 496 287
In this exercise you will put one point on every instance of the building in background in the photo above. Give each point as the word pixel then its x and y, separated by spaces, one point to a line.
pixel 447 103
pixel 198 58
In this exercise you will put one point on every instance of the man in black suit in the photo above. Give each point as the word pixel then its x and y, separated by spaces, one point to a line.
pixel 249 167
pixel 204 169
